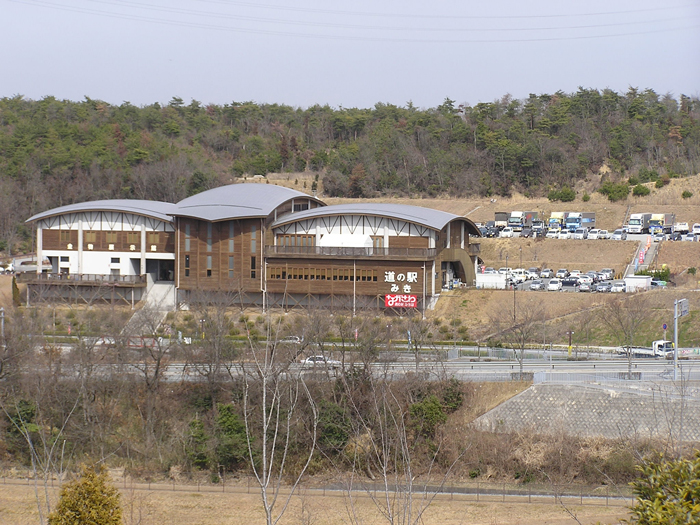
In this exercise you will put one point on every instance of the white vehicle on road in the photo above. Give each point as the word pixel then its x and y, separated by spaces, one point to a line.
pixel 618 287
pixel 321 360
pixel 593 234
pixel 696 228
pixel 564 234
pixel 552 234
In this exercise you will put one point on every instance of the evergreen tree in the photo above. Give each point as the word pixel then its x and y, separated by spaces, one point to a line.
pixel 89 500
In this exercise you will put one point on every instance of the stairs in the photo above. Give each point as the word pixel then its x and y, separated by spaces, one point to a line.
pixel 160 299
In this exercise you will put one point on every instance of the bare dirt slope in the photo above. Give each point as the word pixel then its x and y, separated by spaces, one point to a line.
pixel 572 254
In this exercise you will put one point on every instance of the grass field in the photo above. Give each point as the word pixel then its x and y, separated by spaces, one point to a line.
pixel 166 504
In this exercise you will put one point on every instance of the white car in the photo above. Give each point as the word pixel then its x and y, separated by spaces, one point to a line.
pixel 519 275
pixel 564 234
pixel 575 273
pixel 505 271
pixel 507 232
pixel 546 273
pixel 618 287
pixel 320 360
pixel 602 234
pixel 562 273
pixel 490 270
pixel 696 228
pixel 585 279
pixel 593 234
pixel 552 234
pixel 579 233
pixel 554 285
pixel 619 235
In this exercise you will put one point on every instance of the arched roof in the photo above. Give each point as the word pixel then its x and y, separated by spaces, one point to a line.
pixel 237 201
pixel 429 217
pixel 158 210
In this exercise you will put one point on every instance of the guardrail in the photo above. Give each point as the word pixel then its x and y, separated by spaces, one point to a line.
pixel 80 278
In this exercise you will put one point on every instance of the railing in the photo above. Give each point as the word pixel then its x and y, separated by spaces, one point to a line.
pixel 81 278
pixel 342 251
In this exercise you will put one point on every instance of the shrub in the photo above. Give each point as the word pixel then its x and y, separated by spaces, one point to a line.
pixel 427 415
pixel 90 499
pixel 659 184
pixel 667 492
pixel 615 192
pixel 633 181
pixel 586 197
pixel 640 191
pixel 647 175
pixel 687 194
pixel 565 194
pixel 692 270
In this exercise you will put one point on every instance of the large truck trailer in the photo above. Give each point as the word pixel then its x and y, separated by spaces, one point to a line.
pixel 556 220
pixel 639 223
pixel 662 222
pixel 501 219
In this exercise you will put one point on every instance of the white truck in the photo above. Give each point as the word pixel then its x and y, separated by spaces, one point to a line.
pixel 681 227
pixel 639 223
pixel 660 348
pixel 661 222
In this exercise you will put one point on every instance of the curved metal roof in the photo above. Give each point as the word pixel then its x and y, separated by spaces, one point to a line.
pixel 237 201
pixel 429 217
pixel 158 210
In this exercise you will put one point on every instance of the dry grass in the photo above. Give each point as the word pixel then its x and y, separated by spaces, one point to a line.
pixel 161 506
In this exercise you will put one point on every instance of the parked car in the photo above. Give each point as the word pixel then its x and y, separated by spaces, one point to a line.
pixel 564 234
pixel 562 273
pixel 570 282
pixel 603 234
pixel 585 287
pixel 547 273
pixel 690 237
pixel 554 285
pixel 675 236
pixel 490 270
pixel 595 276
pixel 593 234
pixel 575 273
pixel 505 271
pixel 552 234
pixel 696 228
pixel 537 284
pixel 618 286
pixel 533 273
pixel 320 360
pixel 585 279
pixel 619 235
pixel 527 232
pixel 507 232
pixel 603 287
pixel 580 234
pixel 609 273
pixel 658 283
pixel 491 231
pixel 659 236
pixel 292 339
pixel 519 275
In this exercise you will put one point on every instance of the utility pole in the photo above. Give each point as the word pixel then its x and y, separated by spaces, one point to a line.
pixel 570 333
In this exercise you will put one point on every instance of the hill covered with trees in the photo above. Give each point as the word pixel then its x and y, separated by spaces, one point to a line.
pixel 55 152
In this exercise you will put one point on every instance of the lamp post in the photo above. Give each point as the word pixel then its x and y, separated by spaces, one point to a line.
pixel 2 325
pixel 570 333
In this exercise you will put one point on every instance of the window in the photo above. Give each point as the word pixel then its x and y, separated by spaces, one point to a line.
pixel 377 241
pixel 65 258
pixel 253 266
pixel 115 260
pixel 187 237
pixel 133 238
pixel 230 237
pixel 253 237
pixel 209 236
pixel 187 265
pixel 90 237
pixel 230 267
pixel 301 207
pixel 153 237
pixel 208 265
pixel 65 235
pixel 111 237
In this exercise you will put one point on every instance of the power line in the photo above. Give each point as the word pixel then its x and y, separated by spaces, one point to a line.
pixel 200 25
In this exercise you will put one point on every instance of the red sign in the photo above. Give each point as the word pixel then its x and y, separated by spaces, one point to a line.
pixel 401 301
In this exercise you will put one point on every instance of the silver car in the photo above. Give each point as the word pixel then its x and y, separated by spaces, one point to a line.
pixel 619 235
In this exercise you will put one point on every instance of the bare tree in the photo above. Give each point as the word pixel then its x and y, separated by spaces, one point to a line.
pixel 520 325
pixel 274 392
pixel 624 317
pixel 397 445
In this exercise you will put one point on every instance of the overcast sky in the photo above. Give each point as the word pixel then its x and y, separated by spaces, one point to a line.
pixel 349 54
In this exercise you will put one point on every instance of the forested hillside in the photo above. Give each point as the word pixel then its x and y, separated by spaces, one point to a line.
pixel 55 152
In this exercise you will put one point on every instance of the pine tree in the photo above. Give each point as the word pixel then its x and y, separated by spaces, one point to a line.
pixel 89 500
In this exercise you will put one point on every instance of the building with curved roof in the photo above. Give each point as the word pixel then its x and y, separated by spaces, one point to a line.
pixel 257 244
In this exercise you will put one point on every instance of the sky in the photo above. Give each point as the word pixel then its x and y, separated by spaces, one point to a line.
pixel 344 54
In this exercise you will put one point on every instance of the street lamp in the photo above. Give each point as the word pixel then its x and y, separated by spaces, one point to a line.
pixel 570 333
pixel 201 323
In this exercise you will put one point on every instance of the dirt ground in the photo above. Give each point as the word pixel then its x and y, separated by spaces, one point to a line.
pixel 160 505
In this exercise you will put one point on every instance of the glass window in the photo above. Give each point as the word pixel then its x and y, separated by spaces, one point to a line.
pixel 209 236
pixel 187 237
pixel 209 261
pixel 187 265
pixel 253 267
pixel 230 237
pixel 230 267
